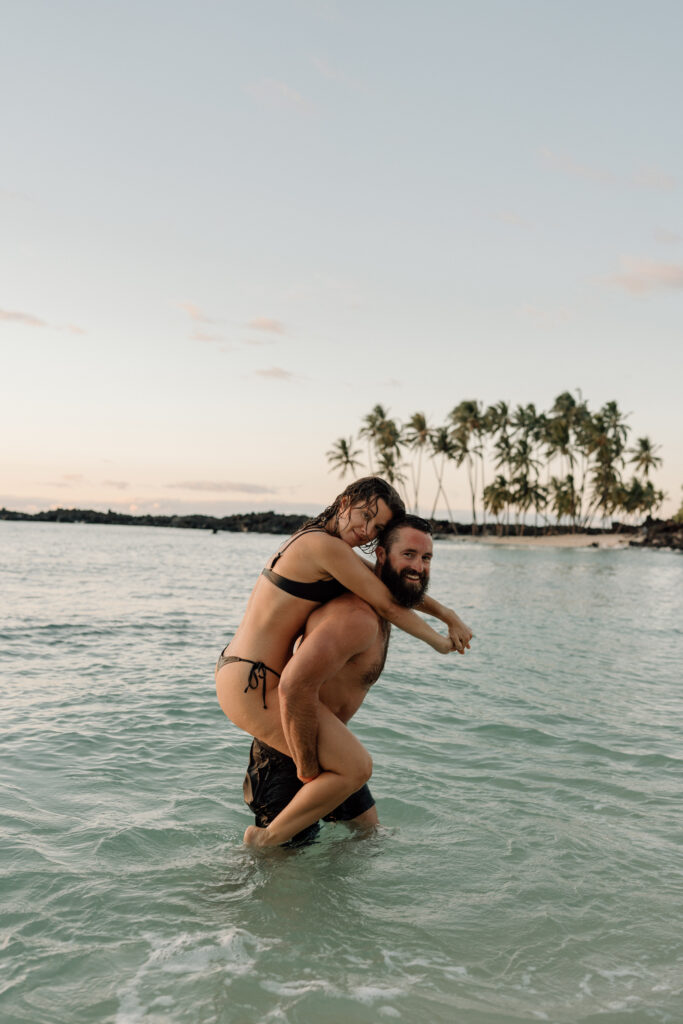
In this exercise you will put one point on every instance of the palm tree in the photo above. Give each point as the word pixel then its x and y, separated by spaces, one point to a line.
pixel 467 419
pixel 528 493
pixel 564 498
pixel 606 483
pixel 495 422
pixel 503 448
pixel 644 455
pixel 388 444
pixel 583 440
pixel 442 447
pixel 342 456
pixel 496 497
pixel 652 499
pixel 616 426
pixel 417 436
pixel 606 440
pixel 557 432
pixel 466 450
pixel 526 466
pixel 372 424
pixel 389 468
pixel 632 498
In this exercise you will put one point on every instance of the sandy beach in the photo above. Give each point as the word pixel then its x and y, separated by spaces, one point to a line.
pixel 560 540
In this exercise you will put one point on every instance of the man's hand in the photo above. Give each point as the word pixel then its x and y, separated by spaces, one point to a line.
pixel 459 633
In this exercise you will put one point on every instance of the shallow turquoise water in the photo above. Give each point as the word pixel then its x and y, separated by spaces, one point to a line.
pixel 529 863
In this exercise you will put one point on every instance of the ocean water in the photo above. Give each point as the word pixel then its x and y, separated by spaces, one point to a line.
pixel 528 866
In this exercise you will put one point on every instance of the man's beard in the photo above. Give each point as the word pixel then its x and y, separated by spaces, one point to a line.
pixel 406 592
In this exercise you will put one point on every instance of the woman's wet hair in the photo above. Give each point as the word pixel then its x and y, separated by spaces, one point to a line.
pixel 364 493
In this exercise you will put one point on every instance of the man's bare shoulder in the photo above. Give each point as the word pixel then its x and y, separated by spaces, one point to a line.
pixel 348 612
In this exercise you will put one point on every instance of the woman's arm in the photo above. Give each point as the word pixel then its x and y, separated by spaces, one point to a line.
pixel 337 559
pixel 459 633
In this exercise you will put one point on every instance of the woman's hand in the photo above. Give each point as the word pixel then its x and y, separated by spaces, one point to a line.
pixel 442 644
pixel 459 633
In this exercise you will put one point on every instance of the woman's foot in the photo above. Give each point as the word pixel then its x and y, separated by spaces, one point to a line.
pixel 258 837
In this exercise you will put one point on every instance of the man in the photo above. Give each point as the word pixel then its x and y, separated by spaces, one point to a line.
pixel 342 654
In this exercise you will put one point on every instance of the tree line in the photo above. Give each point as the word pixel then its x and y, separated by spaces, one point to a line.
pixel 569 464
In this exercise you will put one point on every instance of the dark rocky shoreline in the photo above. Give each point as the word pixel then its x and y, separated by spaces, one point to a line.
pixel 659 533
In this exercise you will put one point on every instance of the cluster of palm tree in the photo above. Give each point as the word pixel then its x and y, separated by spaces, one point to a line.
pixel 568 465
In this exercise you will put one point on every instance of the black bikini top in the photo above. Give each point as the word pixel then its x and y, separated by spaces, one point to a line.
pixel 319 591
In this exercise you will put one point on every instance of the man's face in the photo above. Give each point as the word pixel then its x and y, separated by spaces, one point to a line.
pixel 404 568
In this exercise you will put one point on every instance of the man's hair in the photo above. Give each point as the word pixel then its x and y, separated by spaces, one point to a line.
pixel 387 536
pixel 365 492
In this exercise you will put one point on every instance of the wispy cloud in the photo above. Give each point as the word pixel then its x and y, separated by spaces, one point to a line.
pixel 7 194
pixel 199 335
pixel 333 74
pixel 11 316
pixel 195 313
pixel 567 164
pixel 640 276
pixel 266 323
pixel 68 480
pixel 666 237
pixel 200 321
pixel 654 179
pixel 221 487
pixel 326 69
pixel 279 95
pixel 513 219
pixel 29 320
pixel 120 485
pixel 275 373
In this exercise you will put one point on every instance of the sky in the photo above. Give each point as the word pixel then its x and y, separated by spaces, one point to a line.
pixel 228 230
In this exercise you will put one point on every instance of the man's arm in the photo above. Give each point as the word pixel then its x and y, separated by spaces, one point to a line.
pixel 338 632
pixel 459 633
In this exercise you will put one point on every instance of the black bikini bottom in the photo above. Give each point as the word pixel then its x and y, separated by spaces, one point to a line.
pixel 257 673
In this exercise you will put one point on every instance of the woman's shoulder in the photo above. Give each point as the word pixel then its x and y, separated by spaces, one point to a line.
pixel 310 542
pixel 316 543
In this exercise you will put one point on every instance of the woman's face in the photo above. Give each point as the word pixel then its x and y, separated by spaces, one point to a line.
pixel 359 524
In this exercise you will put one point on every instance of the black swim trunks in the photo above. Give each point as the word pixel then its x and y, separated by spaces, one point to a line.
pixel 271 782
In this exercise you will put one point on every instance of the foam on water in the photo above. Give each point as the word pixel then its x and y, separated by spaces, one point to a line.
pixel 528 865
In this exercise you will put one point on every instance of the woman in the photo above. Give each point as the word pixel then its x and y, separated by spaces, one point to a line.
pixel 314 565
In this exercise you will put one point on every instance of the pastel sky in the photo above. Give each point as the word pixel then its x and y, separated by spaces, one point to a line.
pixel 229 229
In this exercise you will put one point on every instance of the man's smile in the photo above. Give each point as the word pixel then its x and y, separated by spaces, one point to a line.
pixel 411 574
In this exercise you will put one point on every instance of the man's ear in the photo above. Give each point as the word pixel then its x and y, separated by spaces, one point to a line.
pixel 380 555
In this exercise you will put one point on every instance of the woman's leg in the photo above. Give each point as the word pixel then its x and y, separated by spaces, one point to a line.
pixel 346 767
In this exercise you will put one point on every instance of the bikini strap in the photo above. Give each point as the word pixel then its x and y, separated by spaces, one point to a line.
pixel 308 529
pixel 257 674
pixel 257 677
